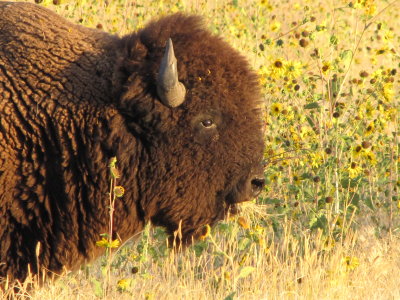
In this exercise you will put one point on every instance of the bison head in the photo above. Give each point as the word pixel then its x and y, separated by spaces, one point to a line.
pixel 194 104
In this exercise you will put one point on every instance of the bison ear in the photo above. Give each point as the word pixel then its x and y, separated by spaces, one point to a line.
pixel 169 89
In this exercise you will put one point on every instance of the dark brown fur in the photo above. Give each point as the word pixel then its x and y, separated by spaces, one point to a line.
pixel 72 97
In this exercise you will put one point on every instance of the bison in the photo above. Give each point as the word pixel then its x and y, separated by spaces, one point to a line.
pixel 177 106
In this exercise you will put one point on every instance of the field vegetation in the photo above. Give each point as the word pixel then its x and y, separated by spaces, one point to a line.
pixel 327 225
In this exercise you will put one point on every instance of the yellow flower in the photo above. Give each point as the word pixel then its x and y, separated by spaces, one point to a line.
pixel 276 108
pixel 259 229
pixel 262 75
pixel 354 170
pixel 368 6
pixel 306 131
pixel 274 177
pixel 328 244
pixel 205 232
pixel 243 223
pixel 326 67
pixel 339 221
pixel 388 91
pixel 123 284
pixel 350 262
pixel 266 4
pixel 105 243
pixel 296 179
pixel 277 69
pixel 293 69
pixel 174 9
pixel 388 36
pixel 357 150
pixel 148 296
pixel 382 50
pixel 227 275
pixel 297 6
pixel 102 243
pixel 290 114
pixel 366 110
pixel 370 128
pixel 316 159
pixel 370 157
pixel 115 243
pixel 275 26
pixel 390 114
pixel 119 191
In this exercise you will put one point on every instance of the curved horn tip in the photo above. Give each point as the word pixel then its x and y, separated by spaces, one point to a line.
pixel 169 89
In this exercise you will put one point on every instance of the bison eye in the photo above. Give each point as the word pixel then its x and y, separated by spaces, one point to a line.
pixel 207 123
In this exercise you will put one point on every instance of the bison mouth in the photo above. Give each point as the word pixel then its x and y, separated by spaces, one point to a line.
pixel 245 189
pixel 227 203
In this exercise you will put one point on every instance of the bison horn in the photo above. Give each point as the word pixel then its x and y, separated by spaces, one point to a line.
pixel 169 89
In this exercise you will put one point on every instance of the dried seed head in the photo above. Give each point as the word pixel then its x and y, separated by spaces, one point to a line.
pixel 365 144
pixel 303 43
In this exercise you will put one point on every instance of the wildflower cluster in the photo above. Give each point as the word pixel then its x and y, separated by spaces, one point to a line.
pixel 332 114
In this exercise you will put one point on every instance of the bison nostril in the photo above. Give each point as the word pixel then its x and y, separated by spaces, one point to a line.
pixel 257 185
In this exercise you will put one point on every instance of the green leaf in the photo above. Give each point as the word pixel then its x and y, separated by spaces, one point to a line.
pixel 317 96
pixel 318 220
pixel 333 40
pixel 245 271
pixel 346 57
pixel 98 289
pixel 306 175
pixel 335 85
pixel 368 202
pixel 199 247
pixel 310 121
pixel 224 227
pixel 347 182
pixel 311 105
pixel 244 244
pixel 230 296
pixel 355 199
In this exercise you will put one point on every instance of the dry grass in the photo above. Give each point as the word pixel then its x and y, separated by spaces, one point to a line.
pixel 288 269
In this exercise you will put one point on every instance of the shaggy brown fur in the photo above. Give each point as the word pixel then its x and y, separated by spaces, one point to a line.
pixel 72 97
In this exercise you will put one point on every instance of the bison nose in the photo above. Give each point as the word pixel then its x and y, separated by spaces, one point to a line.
pixel 257 185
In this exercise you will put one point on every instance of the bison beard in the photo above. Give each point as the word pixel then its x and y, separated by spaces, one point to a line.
pixel 177 106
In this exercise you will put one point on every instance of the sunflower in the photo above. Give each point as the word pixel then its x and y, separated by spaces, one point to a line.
pixel 293 69
pixel 357 150
pixel 277 69
pixel 370 129
pixel 276 109
pixel 354 170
